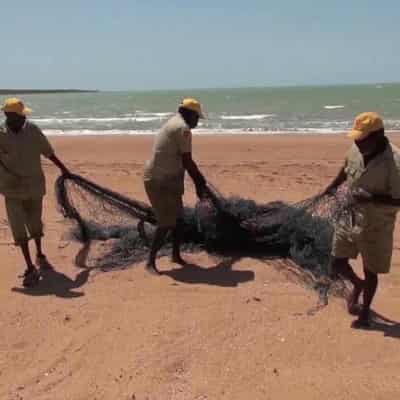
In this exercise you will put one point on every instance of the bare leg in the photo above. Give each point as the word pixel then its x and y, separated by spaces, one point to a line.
pixel 31 275
pixel 39 252
pixel 156 245
pixel 371 284
pixel 41 259
pixel 27 256
pixel 176 243
pixel 342 267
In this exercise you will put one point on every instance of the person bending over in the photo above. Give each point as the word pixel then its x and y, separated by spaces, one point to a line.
pixel 164 178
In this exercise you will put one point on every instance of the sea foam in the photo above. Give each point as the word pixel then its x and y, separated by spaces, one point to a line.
pixel 333 107
pixel 247 117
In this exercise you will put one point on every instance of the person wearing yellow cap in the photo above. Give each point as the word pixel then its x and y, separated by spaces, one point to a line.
pixel 22 181
pixel 372 172
pixel 164 177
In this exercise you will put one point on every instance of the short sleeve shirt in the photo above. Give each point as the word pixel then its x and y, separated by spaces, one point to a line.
pixel 381 176
pixel 173 140
pixel 21 173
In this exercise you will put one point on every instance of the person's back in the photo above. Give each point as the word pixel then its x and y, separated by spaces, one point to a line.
pixel 171 142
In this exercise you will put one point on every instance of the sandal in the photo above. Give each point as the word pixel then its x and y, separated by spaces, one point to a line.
pixel 31 278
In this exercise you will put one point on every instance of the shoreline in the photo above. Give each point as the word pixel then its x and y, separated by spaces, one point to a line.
pixel 207 133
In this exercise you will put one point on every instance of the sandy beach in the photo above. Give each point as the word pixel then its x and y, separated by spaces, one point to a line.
pixel 206 334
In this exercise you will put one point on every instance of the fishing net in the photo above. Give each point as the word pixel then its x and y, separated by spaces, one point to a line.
pixel 117 231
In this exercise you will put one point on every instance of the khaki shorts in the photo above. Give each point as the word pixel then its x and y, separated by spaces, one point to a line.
pixel 166 202
pixel 25 218
pixel 375 248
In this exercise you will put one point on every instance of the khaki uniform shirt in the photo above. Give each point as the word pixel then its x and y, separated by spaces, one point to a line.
pixel 21 174
pixel 165 166
pixel 381 176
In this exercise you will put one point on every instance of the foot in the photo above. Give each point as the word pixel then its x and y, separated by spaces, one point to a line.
pixel 177 259
pixel 43 263
pixel 363 321
pixel 31 277
pixel 352 304
pixel 152 269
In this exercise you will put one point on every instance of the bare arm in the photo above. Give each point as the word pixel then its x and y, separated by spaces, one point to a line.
pixel 340 178
pixel 47 151
pixel 58 163
pixel 362 196
pixel 194 172
pixel 386 200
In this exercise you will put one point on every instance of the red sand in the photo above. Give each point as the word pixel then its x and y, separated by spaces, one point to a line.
pixel 235 334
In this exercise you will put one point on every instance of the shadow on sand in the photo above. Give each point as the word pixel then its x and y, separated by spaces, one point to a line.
pixel 219 275
pixel 55 283
pixel 388 327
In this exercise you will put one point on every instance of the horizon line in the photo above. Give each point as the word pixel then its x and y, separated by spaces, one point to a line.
pixel 288 86
pixel 327 85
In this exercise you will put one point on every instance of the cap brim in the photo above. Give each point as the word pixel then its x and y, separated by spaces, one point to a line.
pixel 357 135
pixel 25 111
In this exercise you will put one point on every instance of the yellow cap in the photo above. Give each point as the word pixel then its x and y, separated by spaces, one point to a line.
pixel 194 105
pixel 365 124
pixel 15 105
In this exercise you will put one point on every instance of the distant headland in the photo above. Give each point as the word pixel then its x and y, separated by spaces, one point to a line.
pixel 44 91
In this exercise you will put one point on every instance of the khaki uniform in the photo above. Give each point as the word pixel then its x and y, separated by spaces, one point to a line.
pixel 371 233
pixel 22 181
pixel 164 172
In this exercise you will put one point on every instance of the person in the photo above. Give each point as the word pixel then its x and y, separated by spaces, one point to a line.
pixel 372 172
pixel 22 182
pixel 164 178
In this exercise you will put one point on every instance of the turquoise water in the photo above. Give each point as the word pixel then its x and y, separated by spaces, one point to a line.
pixel 248 110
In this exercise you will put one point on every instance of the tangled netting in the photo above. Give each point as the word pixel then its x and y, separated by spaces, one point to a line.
pixel 117 231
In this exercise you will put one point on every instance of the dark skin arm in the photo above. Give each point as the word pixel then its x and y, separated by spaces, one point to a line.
pixel 340 178
pixel 194 172
pixel 58 163
pixel 362 196
pixel 386 200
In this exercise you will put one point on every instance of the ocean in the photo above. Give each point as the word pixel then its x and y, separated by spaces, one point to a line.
pixel 246 110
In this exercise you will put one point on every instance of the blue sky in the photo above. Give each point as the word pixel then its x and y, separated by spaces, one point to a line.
pixel 159 44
